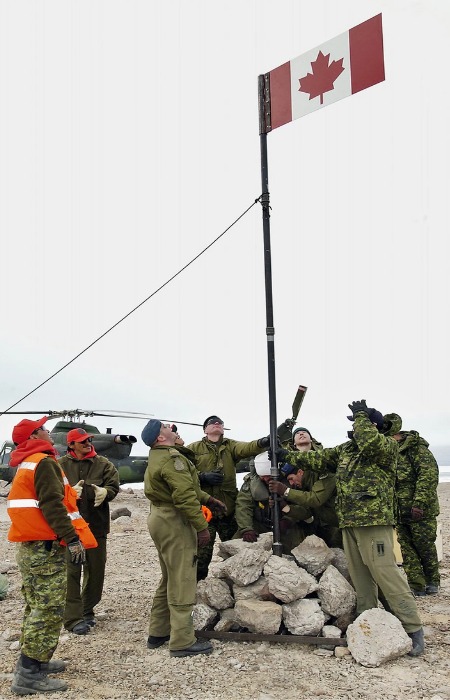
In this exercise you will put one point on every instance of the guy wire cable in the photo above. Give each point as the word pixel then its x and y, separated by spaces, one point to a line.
pixel 135 308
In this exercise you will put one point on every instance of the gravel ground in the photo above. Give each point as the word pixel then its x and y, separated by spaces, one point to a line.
pixel 114 662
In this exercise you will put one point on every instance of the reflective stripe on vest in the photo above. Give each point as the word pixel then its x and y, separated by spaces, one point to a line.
pixel 33 526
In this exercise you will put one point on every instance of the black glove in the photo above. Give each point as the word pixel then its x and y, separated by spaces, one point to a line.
pixel 358 407
pixel 285 525
pixel 281 454
pixel 250 536
pixel 264 441
pixel 76 551
pixel 277 487
pixel 216 507
pixel 210 478
pixel 203 538
pixel 416 514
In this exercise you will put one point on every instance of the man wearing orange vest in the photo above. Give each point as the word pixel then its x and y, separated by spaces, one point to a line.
pixel 44 517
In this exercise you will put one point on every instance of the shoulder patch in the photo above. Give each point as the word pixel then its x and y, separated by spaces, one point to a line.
pixel 324 476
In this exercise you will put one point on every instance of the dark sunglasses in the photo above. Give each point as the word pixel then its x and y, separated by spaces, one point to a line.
pixel 214 421
pixel 85 442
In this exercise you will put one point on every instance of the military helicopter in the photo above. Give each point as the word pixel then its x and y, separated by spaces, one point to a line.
pixel 116 447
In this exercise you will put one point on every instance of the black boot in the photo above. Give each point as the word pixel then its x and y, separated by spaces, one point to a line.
pixel 29 680
pixel 418 642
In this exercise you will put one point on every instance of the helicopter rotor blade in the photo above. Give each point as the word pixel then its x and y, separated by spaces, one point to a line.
pixel 78 413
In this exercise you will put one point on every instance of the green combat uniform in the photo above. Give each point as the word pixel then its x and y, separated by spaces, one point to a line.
pixel 221 456
pixel 171 484
pixel 365 470
pixel 100 471
pixel 417 481
pixel 318 493
pixel 253 513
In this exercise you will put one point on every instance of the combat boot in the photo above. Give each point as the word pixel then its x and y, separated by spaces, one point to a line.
pixel 30 681
pixel 201 646
pixel 52 666
pixel 418 642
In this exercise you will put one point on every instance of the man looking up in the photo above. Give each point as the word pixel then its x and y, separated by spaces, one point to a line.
pixel 215 458
pixel 365 468
pixel 96 481
pixel 177 526
pixel 40 506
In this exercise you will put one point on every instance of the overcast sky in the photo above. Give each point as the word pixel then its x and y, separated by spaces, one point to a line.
pixel 129 140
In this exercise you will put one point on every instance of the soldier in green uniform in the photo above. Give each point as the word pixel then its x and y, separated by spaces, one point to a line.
pixel 96 481
pixel 216 458
pixel 254 514
pixel 308 489
pixel 177 526
pixel 365 469
pixel 418 504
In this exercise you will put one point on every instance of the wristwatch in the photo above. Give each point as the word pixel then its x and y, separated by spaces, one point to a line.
pixel 286 493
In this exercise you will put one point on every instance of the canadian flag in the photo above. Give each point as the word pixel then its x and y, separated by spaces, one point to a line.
pixel 349 63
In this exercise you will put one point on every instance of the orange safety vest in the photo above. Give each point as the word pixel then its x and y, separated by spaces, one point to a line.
pixel 27 521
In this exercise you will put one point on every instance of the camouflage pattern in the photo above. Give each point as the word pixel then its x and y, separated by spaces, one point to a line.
pixel 44 589
pixel 416 487
pixel 225 527
pixel 3 586
pixel 365 469
pixel 222 457
pixel 253 513
pixel 420 561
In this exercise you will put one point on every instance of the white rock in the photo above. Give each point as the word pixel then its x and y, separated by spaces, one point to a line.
pixel 375 637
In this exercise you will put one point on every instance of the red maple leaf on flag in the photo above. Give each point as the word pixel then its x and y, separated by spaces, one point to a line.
pixel 322 77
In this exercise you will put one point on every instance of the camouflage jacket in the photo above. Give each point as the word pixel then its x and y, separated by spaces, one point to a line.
pixel 417 476
pixel 171 480
pixel 417 471
pixel 222 457
pixel 365 469
pixel 319 494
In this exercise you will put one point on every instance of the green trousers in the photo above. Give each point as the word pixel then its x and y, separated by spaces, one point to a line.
pixel 82 598
pixel 43 574
pixel 225 527
pixel 372 566
pixel 176 543
pixel 420 559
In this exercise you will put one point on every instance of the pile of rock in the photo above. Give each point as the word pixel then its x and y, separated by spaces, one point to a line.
pixel 307 594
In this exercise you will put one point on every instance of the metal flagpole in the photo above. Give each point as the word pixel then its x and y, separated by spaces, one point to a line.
pixel 264 126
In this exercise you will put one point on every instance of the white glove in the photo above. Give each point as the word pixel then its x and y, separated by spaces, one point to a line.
pixel 100 494
pixel 78 488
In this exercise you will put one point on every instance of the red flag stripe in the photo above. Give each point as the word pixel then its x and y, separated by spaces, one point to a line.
pixel 366 54
pixel 280 95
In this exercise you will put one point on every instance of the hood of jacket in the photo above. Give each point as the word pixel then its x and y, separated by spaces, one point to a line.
pixel 392 424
